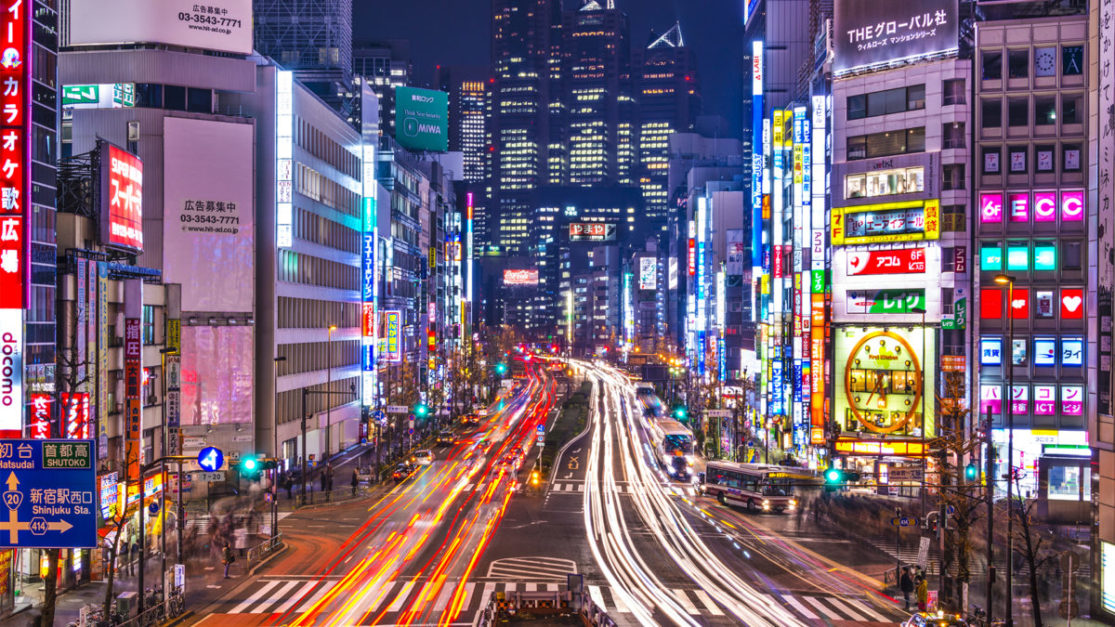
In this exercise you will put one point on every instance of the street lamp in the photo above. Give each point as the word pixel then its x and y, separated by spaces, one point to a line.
pixel 924 418
pixel 329 396
pixel 1007 280
pixel 275 449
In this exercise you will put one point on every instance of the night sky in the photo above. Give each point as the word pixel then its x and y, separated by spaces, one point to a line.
pixel 456 32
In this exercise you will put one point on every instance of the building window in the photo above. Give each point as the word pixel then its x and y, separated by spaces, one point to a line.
pixel 1018 63
pixel 991 113
pixel 1017 159
pixel 953 135
pixel 1072 255
pixel 885 183
pixel 1018 111
pixel 1045 110
pixel 953 218
pixel 991 160
pixel 992 65
pixel 952 176
pixel 1072 108
pixel 1045 62
pixel 1043 158
pixel 1072 60
pixel 953 92
pixel 1070 158
pixel 148 325
pixel 885 102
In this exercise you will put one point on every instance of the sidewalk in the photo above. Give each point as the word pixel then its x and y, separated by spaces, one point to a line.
pixel 204 571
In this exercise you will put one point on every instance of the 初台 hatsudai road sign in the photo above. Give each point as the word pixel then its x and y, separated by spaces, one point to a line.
pixel 50 494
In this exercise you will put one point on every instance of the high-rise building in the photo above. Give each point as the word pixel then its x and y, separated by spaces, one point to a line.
pixel 469 108
pixel 527 146
pixel 599 110
pixel 668 97
pixel 314 39
pixel 384 65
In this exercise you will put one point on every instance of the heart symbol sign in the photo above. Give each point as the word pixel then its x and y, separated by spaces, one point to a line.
pixel 1018 303
pixel 1071 303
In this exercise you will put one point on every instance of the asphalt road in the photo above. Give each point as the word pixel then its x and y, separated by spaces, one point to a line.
pixel 409 557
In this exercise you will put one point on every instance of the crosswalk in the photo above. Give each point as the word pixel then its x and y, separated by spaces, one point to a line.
pixel 621 488
pixel 279 596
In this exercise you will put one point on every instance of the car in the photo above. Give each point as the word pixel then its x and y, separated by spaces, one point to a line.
pixel 446 438
pixel 401 472
pixel 935 619
pixel 423 457
pixel 509 461
pixel 517 452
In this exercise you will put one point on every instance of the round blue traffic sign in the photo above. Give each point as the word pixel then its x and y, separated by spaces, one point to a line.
pixel 153 507
pixel 211 459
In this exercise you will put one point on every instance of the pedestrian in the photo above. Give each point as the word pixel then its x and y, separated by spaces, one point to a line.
pixel 289 483
pixel 133 553
pixel 227 557
pixel 923 593
pixel 355 481
pixel 906 585
pixel 324 480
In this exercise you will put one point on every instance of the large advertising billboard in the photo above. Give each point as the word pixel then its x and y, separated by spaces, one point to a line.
pixel 913 221
pixel 520 277
pixel 422 119
pixel 869 33
pixel 392 336
pixel 217 367
pixel 222 25
pixel 208 213
pixel 121 202
pixel 880 380
pixel 648 273
pixel 591 232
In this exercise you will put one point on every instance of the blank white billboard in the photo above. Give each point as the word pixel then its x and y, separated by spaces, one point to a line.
pixel 208 215
pixel 224 25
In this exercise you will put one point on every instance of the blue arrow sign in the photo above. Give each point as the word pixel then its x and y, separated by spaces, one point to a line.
pixel 211 459
pixel 51 494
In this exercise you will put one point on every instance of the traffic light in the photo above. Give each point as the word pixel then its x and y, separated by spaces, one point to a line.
pixel 421 410
pixel 834 476
pixel 681 413
pixel 534 477
pixel 971 472
pixel 501 368
pixel 250 467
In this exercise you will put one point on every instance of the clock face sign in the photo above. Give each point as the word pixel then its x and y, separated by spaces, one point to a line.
pixel 883 383
pixel 1045 62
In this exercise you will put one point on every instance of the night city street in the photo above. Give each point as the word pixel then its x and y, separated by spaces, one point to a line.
pixel 606 313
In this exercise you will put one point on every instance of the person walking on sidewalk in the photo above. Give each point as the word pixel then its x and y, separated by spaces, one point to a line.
pixel 355 481
pixel 227 557
pixel 923 593
pixel 133 556
pixel 906 585
pixel 324 480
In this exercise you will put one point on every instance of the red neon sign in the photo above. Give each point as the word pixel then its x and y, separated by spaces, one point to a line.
pixel 902 261
pixel 124 195
pixel 692 256
pixel 76 407
pixel 13 152
pixel 39 427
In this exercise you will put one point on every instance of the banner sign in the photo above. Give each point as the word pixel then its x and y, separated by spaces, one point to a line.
pixel 133 410
pixel 869 33
pixel 902 261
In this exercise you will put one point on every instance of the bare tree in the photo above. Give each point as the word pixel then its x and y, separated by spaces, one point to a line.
pixel 1029 543
pixel 953 444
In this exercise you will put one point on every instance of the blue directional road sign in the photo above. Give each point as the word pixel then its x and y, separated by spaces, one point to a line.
pixel 51 494
pixel 211 459
pixel 904 521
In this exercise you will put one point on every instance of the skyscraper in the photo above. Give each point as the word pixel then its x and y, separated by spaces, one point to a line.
pixel 669 100
pixel 526 66
pixel 311 37
pixel 469 106
pixel 385 65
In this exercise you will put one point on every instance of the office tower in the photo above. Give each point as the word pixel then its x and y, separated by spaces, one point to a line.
pixel 526 66
pixel 596 90
pixel 469 108
pixel 668 96
pixel 384 65
pixel 314 39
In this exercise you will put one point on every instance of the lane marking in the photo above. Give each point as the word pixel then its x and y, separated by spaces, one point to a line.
pixel 255 598
pixel 799 607
pixel 709 604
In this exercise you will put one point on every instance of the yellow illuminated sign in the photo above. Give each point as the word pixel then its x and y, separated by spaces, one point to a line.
pixel 886 222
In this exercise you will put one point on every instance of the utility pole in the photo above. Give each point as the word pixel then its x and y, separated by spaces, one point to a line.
pixel 990 490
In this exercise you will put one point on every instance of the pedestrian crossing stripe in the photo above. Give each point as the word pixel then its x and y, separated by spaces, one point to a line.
pixel 578 488
pixel 279 596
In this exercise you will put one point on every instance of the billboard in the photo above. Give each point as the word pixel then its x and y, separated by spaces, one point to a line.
pixel 520 277
pixel 222 25
pixel 591 232
pixel 879 380
pixel 648 273
pixel 869 33
pixel 216 375
pixel 11 373
pixel 99 96
pixel 875 262
pixel 392 336
pixel 913 221
pixel 209 213
pixel 422 119
pixel 121 205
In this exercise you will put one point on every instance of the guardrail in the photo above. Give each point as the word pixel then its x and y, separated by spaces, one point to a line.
pixel 260 551
pixel 561 603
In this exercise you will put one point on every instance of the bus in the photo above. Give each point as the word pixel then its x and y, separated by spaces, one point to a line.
pixel 643 389
pixel 673 447
pixel 758 487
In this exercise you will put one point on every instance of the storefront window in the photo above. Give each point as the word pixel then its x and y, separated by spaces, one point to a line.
pixel 1066 483
pixel 885 183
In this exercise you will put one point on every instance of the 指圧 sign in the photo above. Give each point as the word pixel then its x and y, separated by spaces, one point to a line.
pixel 49 494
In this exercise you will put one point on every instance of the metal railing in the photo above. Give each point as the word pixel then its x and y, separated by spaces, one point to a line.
pixel 260 551
pixel 161 612
pixel 566 602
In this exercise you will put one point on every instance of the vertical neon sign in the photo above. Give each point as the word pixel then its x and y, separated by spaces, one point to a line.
pixel 284 159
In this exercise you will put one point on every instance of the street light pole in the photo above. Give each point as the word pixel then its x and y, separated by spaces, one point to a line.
pixel 275 450
pixel 1003 279
pixel 305 393
pixel 328 397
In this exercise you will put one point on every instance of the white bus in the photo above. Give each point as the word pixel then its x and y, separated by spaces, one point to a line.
pixel 758 487
pixel 673 446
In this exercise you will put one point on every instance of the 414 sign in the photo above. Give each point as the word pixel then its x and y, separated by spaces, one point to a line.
pixel 50 494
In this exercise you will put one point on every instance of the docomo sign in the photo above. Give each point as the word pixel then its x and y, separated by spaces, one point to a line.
pixel 11 372
pixel 121 198
pixel 902 261
pixel 1044 206
pixel 520 277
